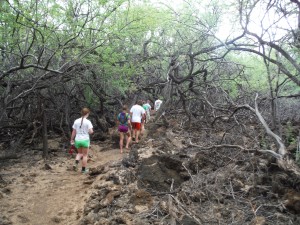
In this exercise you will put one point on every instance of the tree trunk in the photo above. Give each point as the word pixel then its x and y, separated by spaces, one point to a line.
pixel 45 135
pixel 284 161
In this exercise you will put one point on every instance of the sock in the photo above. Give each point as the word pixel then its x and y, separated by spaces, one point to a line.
pixel 83 169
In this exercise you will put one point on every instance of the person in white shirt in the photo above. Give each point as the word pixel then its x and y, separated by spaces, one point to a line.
pixel 157 104
pixel 80 137
pixel 138 115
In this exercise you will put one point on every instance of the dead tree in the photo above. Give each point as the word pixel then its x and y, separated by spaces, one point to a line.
pixel 284 160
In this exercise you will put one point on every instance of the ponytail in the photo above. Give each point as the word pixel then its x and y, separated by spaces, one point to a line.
pixel 81 121
pixel 84 112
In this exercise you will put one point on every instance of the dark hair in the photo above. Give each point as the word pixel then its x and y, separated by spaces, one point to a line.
pixel 140 102
pixel 124 107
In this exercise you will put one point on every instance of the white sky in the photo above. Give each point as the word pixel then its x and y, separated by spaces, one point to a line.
pixel 227 27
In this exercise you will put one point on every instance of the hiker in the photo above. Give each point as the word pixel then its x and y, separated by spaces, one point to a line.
pixel 80 137
pixel 143 121
pixel 147 107
pixel 157 104
pixel 124 128
pixel 138 115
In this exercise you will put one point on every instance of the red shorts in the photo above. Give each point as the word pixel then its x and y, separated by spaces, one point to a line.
pixel 136 125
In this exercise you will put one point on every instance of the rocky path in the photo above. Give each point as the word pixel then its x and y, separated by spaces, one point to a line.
pixel 36 196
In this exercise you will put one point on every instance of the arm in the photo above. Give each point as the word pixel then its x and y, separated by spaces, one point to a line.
pixel 129 123
pixel 73 136
pixel 118 122
pixel 131 116
pixel 90 127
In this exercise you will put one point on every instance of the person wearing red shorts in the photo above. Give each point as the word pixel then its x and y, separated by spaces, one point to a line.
pixel 138 114
pixel 124 128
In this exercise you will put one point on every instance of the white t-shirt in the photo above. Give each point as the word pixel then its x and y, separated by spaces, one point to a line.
pixel 157 104
pixel 83 132
pixel 137 113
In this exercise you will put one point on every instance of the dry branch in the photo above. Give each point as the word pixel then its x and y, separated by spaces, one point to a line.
pixel 276 155
pixel 283 159
pixel 285 162
pixel 10 156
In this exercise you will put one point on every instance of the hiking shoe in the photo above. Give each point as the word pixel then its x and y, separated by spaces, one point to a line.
pixel 86 171
pixel 75 167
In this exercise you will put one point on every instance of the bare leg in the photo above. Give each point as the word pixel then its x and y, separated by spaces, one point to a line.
pixel 77 159
pixel 148 116
pixel 128 139
pixel 85 156
pixel 121 142
pixel 79 154
pixel 134 133
pixel 137 136
pixel 142 128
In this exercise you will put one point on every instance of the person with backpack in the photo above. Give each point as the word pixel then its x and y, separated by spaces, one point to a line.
pixel 80 137
pixel 138 115
pixel 124 127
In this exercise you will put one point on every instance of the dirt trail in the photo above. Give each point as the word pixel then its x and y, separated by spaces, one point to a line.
pixel 45 197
